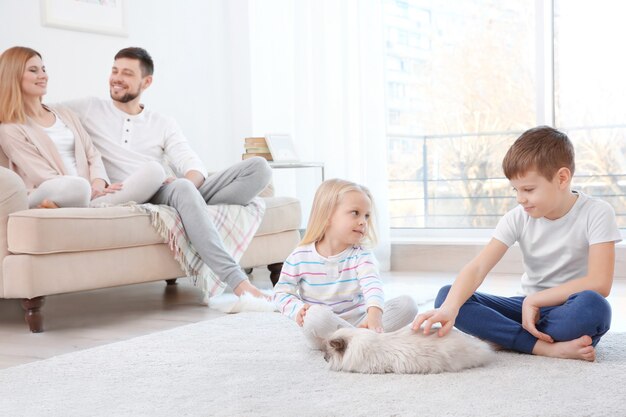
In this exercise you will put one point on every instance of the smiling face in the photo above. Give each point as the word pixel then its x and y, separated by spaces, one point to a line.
pixel 35 79
pixel 350 220
pixel 126 81
pixel 541 197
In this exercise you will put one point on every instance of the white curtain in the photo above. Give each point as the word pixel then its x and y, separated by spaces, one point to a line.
pixel 339 107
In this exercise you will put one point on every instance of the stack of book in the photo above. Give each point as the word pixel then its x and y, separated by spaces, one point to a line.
pixel 256 147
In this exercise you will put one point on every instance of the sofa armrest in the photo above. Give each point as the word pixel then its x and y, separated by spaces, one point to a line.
pixel 12 198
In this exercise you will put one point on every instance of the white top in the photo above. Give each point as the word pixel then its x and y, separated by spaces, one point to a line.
pixel 556 251
pixel 64 140
pixel 127 141
pixel 348 282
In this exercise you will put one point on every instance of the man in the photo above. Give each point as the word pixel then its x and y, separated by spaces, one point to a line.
pixel 128 135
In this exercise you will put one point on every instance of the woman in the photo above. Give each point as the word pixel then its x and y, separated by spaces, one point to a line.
pixel 49 148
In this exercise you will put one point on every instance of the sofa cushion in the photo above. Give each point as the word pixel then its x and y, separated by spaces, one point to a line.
pixel 41 231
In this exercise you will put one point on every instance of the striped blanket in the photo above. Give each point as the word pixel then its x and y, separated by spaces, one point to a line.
pixel 235 224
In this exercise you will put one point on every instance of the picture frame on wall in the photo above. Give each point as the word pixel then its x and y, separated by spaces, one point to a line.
pixel 281 147
pixel 98 16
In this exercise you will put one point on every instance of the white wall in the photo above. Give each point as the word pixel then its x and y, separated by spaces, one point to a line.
pixel 201 54
pixel 225 69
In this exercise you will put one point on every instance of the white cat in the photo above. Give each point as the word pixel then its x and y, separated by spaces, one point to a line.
pixel 403 351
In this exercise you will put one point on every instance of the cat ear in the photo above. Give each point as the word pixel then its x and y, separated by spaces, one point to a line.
pixel 338 344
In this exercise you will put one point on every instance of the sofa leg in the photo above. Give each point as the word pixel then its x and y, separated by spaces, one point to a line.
pixel 32 313
pixel 275 272
pixel 171 281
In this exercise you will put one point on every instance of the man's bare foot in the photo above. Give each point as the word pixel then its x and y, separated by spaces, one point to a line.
pixel 247 287
pixel 48 204
pixel 574 349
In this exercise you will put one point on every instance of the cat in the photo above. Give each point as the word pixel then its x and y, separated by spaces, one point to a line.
pixel 404 351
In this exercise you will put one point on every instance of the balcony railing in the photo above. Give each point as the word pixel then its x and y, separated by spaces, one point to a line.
pixel 456 180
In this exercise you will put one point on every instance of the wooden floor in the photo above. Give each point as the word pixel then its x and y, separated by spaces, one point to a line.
pixel 82 320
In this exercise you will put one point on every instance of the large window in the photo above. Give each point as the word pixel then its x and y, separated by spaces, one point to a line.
pixel 465 78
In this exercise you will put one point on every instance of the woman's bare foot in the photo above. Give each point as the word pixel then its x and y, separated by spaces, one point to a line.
pixel 247 287
pixel 574 349
pixel 47 204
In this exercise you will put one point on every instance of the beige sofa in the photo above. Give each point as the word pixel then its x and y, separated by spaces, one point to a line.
pixel 46 252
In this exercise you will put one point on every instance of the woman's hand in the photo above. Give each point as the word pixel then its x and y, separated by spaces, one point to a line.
pixel 99 188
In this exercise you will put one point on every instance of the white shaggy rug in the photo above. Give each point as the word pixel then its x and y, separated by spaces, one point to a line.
pixel 256 364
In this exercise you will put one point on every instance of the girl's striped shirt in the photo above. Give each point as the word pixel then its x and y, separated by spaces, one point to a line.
pixel 348 283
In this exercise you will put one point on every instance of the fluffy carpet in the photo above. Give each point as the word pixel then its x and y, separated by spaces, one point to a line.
pixel 256 364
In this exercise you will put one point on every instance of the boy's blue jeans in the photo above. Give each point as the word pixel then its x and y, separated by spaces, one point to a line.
pixel 499 319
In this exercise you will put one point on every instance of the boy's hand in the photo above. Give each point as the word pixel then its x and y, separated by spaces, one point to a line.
pixel 439 315
pixel 301 314
pixel 530 317
pixel 374 320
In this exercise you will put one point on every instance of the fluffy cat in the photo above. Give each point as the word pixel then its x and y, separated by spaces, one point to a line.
pixel 403 351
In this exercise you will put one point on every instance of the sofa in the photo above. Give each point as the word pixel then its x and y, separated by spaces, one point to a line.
pixel 44 252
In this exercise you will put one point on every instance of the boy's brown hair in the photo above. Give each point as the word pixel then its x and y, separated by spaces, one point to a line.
pixel 541 148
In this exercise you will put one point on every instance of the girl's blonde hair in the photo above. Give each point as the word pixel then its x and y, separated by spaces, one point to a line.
pixel 327 197
pixel 12 67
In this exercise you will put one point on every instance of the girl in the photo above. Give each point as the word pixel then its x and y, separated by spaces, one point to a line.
pixel 49 148
pixel 330 280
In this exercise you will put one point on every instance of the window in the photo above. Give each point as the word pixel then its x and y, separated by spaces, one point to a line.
pixel 590 88
pixel 473 77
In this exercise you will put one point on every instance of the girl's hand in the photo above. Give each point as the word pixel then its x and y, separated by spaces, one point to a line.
pixel 441 315
pixel 530 316
pixel 374 320
pixel 301 314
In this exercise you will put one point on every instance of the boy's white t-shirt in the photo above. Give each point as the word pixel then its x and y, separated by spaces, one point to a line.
pixel 556 251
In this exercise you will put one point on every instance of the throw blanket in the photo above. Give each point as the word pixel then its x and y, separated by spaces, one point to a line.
pixel 235 224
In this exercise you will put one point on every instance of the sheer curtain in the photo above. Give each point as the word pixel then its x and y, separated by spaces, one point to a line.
pixel 339 109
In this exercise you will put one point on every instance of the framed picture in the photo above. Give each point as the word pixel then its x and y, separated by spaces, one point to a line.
pixel 99 16
pixel 281 148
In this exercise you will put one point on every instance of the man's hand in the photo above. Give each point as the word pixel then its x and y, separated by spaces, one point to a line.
pixel 439 315
pixel 530 316
pixel 301 314
pixel 195 177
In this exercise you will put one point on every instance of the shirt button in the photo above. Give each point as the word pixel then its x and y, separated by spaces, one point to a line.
pixel 125 141
pixel 128 120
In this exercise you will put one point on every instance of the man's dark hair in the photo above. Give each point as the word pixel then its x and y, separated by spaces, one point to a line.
pixel 145 60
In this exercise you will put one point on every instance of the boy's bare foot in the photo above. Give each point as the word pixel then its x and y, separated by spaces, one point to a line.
pixel 574 349
pixel 247 287
pixel 47 204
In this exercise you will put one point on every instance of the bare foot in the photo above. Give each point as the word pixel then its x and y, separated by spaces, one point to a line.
pixel 48 204
pixel 574 349
pixel 247 287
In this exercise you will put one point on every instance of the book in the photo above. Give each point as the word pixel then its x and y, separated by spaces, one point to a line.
pixel 255 142
pixel 257 149
pixel 267 156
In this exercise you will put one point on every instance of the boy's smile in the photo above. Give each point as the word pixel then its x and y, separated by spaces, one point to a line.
pixel 543 198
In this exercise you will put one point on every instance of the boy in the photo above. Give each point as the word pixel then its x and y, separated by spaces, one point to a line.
pixel 568 245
